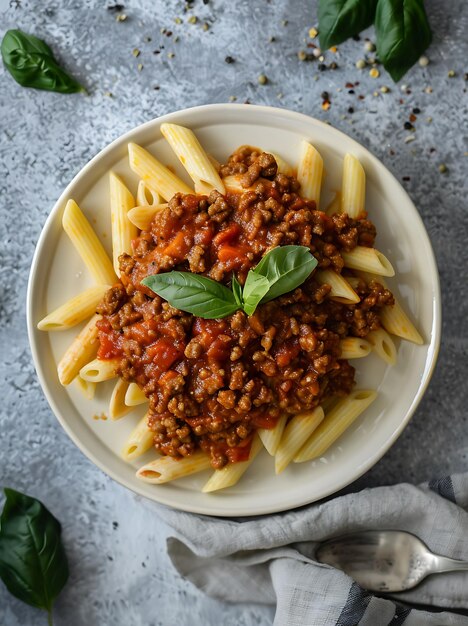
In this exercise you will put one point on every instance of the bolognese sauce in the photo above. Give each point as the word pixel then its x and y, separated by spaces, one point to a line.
pixel 211 382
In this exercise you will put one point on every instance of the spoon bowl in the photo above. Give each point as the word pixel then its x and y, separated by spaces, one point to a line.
pixel 386 561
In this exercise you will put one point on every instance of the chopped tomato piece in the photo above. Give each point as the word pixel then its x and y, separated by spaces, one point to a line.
pixel 264 421
pixel 228 234
pixel 163 353
pixel 239 453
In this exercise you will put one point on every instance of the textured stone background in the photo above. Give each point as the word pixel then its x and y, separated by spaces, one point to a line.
pixel 120 574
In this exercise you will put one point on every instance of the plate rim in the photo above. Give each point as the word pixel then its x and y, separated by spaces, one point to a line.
pixel 217 511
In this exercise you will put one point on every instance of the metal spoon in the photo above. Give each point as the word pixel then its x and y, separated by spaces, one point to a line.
pixel 385 561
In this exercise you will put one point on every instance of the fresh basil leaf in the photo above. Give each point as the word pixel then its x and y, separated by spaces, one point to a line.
pixel 341 19
pixel 237 290
pixel 193 293
pixel 32 64
pixel 285 267
pixel 33 564
pixel 256 286
pixel 403 33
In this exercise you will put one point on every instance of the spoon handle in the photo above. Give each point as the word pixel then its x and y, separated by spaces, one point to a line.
pixel 445 564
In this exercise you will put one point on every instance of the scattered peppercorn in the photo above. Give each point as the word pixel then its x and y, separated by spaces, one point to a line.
pixel 408 126
pixel 229 60
pixel 350 110
pixel 140 66
pixel 351 92
pixel 121 17
pixel 136 52
pixel 262 79
pixel 356 38
pixel 423 61
pixel 171 55
pixel 193 19
pixel 302 55
pixel 443 168
pixel 115 7
pixel 333 65
pixel 412 117
pixel 465 76
pixel 384 89
pixel 322 67
pixel 205 26
pixel 284 22
pixel 271 39
pixel 416 110
pixel 360 64
pixel 177 20
pixel 317 53
pixel 451 73
pixel 206 1
pixel 333 49
pixel 406 178
pixel 313 32
pixel 232 98
pixel 369 46
pixel 428 90
pixel 374 73
pixel 156 87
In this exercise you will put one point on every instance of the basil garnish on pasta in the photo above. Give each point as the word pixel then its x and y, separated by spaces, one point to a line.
pixel 279 272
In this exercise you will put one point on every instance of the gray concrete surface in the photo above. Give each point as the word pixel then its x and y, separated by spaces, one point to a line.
pixel 120 574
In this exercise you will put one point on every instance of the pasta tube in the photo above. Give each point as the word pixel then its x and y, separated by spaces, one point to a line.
pixel 134 395
pixel 341 416
pixel 271 437
pixel 87 244
pixel 354 348
pixel 393 318
pixel 230 474
pixel 353 188
pixel 341 290
pixel 166 468
pixel 368 260
pixel 193 157
pixel 310 172
pixel 83 348
pixel 99 370
pixel 283 166
pixel 87 389
pixel 117 406
pixel 123 231
pixel 297 431
pixel 142 216
pixel 383 345
pixel 145 196
pixel 155 175
pixel 139 442
pixel 75 310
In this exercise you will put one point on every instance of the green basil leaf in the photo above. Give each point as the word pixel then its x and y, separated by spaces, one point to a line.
pixel 193 293
pixel 341 19
pixel 33 564
pixel 237 291
pixel 285 267
pixel 256 286
pixel 403 33
pixel 32 64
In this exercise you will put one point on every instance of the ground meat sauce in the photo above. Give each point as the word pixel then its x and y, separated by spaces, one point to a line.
pixel 211 383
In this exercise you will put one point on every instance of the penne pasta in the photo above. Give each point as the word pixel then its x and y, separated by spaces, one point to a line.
pixel 166 468
pixel 297 431
pixel 117 406
pixel 383 345
pixel 134 395
pixel 75 310
pixel 271 437
pixel 83 348
pixel 154 174
pixel 87 244
pixel 340 417
pixel 87 389
pixel 231 473
pixel 193 157
pixel 99 370
pixel 341 290
pixel 233 183
pixel 368 260
pixel 139 441
pixel 335 205
pixel 353 187
pixel 354 348
pixel 310 173
pixel 123 231
pixel 142 216
pixel 393 318
pixel 146 196
pixel 283 166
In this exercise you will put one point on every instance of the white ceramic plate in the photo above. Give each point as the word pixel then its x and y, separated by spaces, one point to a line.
pixel 57 273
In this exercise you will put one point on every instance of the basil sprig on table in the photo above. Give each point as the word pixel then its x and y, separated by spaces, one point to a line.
pixel 32 64
pixel 280 271
pixel 33 564
pixel 401 26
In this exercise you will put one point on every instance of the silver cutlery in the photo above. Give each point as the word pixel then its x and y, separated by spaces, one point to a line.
pixel 385 561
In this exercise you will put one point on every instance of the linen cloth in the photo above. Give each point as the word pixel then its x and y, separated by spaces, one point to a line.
pixel 270 559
